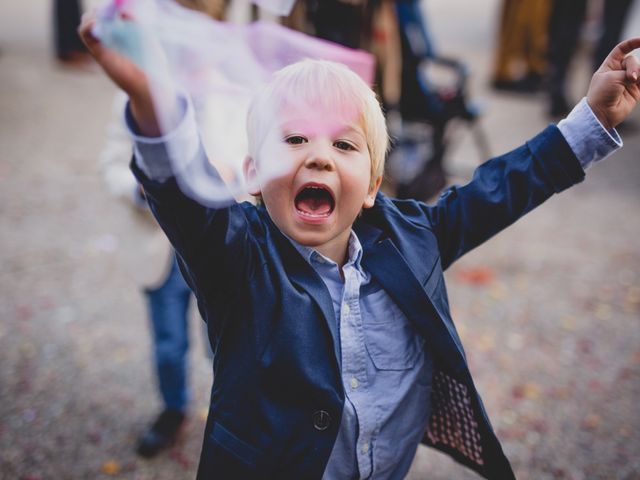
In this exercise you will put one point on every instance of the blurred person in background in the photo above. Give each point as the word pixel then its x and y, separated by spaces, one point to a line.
pixel 433 95
pixel 614 17
pixel 419 109
pixel 347 22
pixel 167 295
pixel 66 18
pixel 521 55
pixel 565 25
pixel 155 268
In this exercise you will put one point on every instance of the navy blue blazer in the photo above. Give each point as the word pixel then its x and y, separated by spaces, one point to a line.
pixel 277 396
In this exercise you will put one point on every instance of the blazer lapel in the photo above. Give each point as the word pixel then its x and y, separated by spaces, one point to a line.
pixel 303 275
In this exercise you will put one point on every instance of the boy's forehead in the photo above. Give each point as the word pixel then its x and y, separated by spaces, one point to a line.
pixel 319 120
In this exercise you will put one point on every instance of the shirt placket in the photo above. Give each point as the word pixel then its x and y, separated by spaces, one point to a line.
pixel 354 371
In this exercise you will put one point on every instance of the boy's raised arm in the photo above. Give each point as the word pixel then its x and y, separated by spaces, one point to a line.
pixel 509 186
pixel 204 237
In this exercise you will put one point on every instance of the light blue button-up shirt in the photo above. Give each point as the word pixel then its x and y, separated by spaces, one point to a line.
pixel 386 374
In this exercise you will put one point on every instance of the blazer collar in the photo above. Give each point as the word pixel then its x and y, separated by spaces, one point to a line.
pixel 303 275
pixel 367 234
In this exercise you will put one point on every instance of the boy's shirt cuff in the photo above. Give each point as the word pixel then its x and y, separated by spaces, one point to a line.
pixel 153 154
pixel 587 137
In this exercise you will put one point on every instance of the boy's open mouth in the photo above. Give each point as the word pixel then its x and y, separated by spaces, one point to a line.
pixel 314 201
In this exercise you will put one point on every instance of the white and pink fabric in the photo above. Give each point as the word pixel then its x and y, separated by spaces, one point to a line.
pixel 219 65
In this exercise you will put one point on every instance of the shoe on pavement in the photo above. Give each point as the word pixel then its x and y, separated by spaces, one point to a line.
pixel 162 434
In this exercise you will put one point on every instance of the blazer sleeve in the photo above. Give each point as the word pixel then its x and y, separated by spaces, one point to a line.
pixel 502 190
pixel 212 242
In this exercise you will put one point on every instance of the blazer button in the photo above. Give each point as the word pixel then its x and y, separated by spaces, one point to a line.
pixel 321 420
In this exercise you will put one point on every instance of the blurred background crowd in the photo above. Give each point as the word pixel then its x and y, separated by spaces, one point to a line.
pixel 103 368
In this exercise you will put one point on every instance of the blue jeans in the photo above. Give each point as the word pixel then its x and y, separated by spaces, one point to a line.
pixel 168 309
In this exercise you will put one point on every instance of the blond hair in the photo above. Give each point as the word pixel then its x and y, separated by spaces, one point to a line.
pixel 324 84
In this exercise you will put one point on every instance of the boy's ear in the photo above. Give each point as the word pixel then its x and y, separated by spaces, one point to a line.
pixel 251 176
pixel 370 199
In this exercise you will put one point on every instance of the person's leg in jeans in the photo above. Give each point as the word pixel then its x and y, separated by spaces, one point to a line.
pixel 168 308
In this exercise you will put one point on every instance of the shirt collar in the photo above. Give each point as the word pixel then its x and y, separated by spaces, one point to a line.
pixel 354 252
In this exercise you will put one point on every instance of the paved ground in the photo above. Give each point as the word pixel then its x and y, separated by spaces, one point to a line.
pixel 549 311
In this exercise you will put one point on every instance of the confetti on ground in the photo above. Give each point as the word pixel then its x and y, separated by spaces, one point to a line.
pixel 591 421
pixel 111 467
pixel 528 391
pixel 478 276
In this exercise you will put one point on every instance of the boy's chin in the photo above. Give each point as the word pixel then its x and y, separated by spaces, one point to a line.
pixel 317 237
pixel 308 239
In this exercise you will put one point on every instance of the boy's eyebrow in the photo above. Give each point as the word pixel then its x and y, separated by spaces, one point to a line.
pixel 354 130
pixel 306 127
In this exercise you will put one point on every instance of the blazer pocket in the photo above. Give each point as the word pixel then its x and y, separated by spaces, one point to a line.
pixel 241 450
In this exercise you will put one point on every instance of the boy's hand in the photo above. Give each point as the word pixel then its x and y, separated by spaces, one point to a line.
pixel 126 75
pixel 615 87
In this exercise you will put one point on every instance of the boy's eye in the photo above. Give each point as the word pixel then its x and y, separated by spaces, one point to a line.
pixel 295 140
pixel 342 145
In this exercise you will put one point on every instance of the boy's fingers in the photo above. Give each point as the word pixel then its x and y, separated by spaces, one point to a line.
pixel 88 18
pixel 621 50
pixel 628 46
pixel 616 77
pixel 85 29
pixel 632 67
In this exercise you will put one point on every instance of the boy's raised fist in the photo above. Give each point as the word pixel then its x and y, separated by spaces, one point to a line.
pixel 615 87
pixel 125 74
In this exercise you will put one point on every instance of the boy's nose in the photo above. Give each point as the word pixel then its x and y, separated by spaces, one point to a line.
pixel 320 161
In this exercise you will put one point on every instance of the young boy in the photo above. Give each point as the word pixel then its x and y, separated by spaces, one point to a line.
pixel 335 352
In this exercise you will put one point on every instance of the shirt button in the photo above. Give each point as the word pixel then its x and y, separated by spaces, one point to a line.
pixel 365 447
pixel 345 309
pixel 321 420
pixel 354 383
